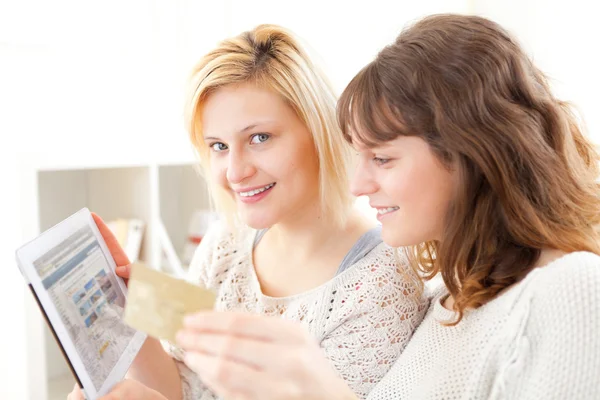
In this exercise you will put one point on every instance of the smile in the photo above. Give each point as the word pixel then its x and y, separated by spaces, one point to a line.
pixel 383 211
pixel 256 191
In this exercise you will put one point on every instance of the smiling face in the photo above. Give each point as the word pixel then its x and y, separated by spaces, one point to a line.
pixel 261 153
pixel 408 186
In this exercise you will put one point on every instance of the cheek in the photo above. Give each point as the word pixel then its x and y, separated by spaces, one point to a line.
pixel 428 193
pixel 447 186
pixel 402 186
pixel 419 192
pixel 300 166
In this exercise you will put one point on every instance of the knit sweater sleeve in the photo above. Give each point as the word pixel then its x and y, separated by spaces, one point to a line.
pixel 381 309
pixel 199 273
pixel 557 356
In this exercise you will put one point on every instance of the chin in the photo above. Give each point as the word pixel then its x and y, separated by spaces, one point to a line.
pixel 393 238
pixel 258 221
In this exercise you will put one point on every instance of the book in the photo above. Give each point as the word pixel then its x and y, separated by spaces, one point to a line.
pixel 129 234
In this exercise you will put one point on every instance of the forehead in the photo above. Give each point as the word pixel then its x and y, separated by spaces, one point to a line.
pixel 360 145
pixel 368 131
pixel 234 107
pixel 392 146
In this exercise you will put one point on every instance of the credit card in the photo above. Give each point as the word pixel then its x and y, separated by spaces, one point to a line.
pixel 157 302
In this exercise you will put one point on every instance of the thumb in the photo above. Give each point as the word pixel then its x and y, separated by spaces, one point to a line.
pixel 124 271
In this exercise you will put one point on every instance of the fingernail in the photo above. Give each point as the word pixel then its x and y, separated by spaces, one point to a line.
pixel 180 337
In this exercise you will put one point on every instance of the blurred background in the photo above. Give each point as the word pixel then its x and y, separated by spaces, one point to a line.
pixel 91 115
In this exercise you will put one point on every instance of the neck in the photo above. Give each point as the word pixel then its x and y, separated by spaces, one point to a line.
pixel 306 232
pixel 303 252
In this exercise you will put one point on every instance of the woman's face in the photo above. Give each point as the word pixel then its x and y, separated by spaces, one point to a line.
pixel 261 153
pixel 408 186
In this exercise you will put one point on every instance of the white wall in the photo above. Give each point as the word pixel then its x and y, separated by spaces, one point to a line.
pixel 345 35
pixel 93 82
pixel 13 333
pixel 562 37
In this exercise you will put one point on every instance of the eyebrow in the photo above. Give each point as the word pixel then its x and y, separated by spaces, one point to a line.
pixel 246 129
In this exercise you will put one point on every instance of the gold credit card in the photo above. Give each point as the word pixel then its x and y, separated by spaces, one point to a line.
pixel 157 302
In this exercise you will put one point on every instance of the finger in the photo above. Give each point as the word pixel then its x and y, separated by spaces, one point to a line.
pixel 124 271
pixel 255 353
pixel 229 379
pixel 112 243
pixel 130 389
pixel 247 325
pixel 121 391
pixel 75 394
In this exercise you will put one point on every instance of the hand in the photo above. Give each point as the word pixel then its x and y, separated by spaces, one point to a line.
pixel 258 357
pixel 123 265
pixel 76 394
pixel 125 390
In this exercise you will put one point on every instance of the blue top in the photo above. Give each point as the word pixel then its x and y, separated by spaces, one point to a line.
pixel 361 248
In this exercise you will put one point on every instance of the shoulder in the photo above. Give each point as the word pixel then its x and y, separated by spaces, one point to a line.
pixel 221 242
pixel 564 293
pixel 384 273
pixel 380 255
pixel 572 276
pixel 385 260
pixel 554 324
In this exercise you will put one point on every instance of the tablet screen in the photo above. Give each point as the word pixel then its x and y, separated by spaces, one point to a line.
pixel 79 282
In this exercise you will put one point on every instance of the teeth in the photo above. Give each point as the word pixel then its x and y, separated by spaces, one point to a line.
pixel 256 191
pixel 382 211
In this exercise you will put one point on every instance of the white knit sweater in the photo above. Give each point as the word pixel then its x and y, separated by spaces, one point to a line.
pixel 362 318
pixel 538 340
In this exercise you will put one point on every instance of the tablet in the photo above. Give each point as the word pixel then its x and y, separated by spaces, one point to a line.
pixel 70 272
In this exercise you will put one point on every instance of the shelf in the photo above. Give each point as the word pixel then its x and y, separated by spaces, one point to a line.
pixel 159 194
pixel 110 192
pixel 182 192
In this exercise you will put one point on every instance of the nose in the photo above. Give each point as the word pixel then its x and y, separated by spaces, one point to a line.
pixel 363 183
pixel 239 167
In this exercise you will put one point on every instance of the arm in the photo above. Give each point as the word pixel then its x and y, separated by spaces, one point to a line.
pixel 127 389
pixel 157 370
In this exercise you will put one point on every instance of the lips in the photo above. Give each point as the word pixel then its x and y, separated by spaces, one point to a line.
pixel 255 191
pixel 386 210
pixel 255 194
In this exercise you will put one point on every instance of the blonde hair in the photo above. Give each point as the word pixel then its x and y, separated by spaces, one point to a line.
pixel 272 58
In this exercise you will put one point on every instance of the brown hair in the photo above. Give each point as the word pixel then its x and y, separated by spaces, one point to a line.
pixel 527 174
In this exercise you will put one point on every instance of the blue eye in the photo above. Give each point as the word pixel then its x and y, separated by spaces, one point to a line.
pixel 380 161
pixel 259 138
pixel 218 146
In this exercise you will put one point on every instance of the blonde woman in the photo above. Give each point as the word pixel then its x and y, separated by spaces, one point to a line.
pixel 262 118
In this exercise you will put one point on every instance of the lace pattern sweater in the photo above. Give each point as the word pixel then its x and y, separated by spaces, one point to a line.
pixel 362 318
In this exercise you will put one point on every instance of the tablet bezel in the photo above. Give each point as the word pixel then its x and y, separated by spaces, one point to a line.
pixel 28 253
